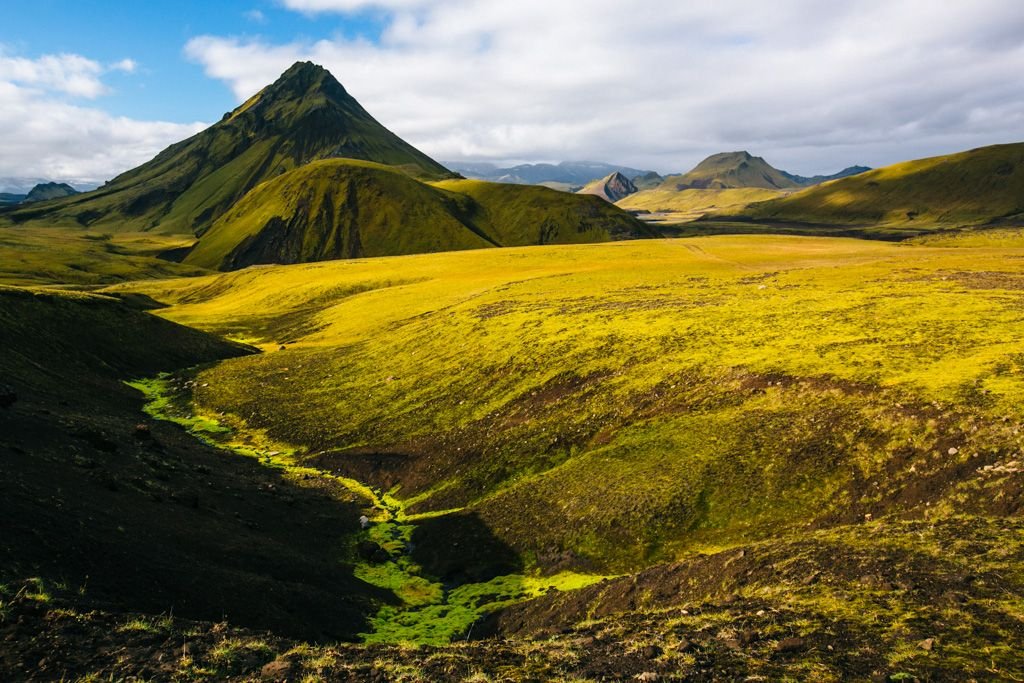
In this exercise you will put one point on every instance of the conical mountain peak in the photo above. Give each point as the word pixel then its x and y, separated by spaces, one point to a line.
pixel 304 116
pixel 305 79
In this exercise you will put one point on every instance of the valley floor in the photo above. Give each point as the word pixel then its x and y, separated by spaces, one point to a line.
pixel 725 458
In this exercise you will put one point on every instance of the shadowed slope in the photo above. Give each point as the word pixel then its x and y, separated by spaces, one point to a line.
pixel 144 517
pixel 304 116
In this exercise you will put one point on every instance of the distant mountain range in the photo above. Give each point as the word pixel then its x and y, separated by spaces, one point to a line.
pixel 571 173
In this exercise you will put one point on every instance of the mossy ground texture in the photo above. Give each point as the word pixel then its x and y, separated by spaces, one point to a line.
pixel 601 408
pixel 734 457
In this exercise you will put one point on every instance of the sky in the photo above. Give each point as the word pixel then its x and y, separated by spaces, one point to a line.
pixel 88 90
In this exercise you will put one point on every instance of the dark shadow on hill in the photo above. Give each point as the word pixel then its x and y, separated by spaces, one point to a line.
pixel 138 514
pixel 460 548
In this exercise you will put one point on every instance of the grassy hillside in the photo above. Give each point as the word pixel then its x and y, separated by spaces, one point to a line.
pixel 607 407
pixel 971 188
pixel 517 215
pixel 342 208
pixel 336 209
pixel 690 204
pixel 304 116
pixel 46 256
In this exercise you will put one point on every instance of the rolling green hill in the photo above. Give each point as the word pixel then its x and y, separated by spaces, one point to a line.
pixel 976 187
pixel 341 208
pixel 304 116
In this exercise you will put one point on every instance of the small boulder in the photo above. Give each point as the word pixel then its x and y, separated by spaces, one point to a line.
pixel 142 432
pixel 651 652
pixel 928 644
pixel 793 644
pixel 278 670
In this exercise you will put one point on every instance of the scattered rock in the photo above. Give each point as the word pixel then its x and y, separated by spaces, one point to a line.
pixel 651 652
pixel 278 670
pixel 732 643
pixel 142 432
pixel 749 636
pixel 794 644
pixel 928 644
pixel 647 676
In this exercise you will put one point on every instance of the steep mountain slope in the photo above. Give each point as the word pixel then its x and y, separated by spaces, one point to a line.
pixel 341 208
pixel 970 188
pixel 611 188
pixel 304 116
pixel 44 191
pixel 336 208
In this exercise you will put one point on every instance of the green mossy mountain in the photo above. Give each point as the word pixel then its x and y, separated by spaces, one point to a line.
pixel 976 187
pixel 731 170
pixel 342 208
pixel 45 191
pixel 304 116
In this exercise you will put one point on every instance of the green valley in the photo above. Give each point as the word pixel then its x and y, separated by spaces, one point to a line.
pixel 294 402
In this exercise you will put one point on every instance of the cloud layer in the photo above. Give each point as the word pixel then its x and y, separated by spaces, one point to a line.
pixel 811 86
pixel 46 133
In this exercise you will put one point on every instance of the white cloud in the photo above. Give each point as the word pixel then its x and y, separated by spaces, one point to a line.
pixel 811 86
pixel 126 65
pixel 45 134
pixel 255 16
pixel 71 74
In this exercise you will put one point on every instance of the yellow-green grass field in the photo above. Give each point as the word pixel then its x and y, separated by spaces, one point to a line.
pixel 77 257
pixel 690 204
pixel 605 407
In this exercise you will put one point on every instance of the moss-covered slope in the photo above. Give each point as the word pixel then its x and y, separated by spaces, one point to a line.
pixel 305 115
pixel 603 407
pixel 970 188
pixel 343 208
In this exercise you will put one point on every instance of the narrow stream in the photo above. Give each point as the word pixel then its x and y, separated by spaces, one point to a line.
pixel 430 613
